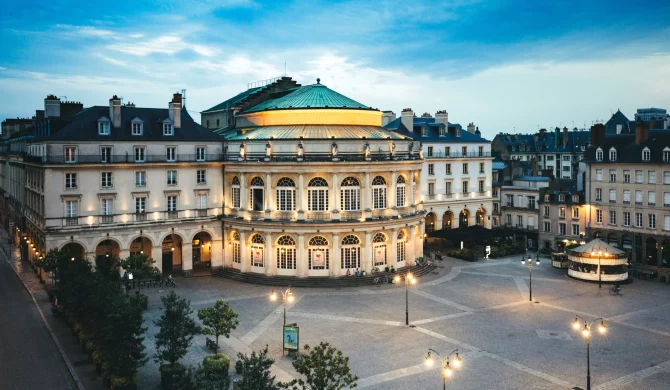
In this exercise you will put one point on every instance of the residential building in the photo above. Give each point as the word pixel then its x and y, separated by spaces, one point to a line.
pixel 520 206
pixel 563 215
pixel 497 172
pixel 456 175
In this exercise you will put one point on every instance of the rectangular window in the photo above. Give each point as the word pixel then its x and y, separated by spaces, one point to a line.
pixel 105 154
pixel 317 199
pixel 430 151
pixel 201 202
pixel 137 128
pixel 70 181
pixel 400 195
pixel 431 169
pixel 140 205
pixel 481 167
pixel 495 192
pixel 447 187
pixel 575 212
pixel 599 174
pixel 547 227
pixel 519 220
pixel 236 197
pixel 652 221
pixel 103 128
pixel 171 154
pixel 508 217
pixel 350 199
pixel 561 229
pixel 666 222
pixel 626 196
pixel 546 211
pixel 638 176
pixel 561 212
pixel 651 176
pixel 71 209
pixel 612 196
pixel 140 154
pixel 70 154
pixel 666 199
pixel 107 207
pixel 431 188
pixel 651 198
pixel 140 178
pixel 626 218
pixel 638 220
pixel 626 175
pixel 172 178
pixel 566 158
pixel 201 176
pixel 172 203
pixel 575 230
pixel 666 177
pixel 481 151
pixel 106 180
pixel 200 153
pixel 464 151
pixel 481 187
pixel 465 168
pixel 638 197
pixel 612 217
pixel 612 175
pixel 168 129
pixel 599 194
pixel 561 197
pixel 599 216
pixel 285 199
pixel 465 187
pixel 531 202
pixel 448 169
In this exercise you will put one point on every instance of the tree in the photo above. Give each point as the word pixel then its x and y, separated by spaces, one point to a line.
pixel 324 368
pixel 255 370
pixel 176 330
pixel 218 320
pixel 141 266
pixel 54 262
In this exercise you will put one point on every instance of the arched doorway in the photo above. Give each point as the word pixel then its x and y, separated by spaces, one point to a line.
pixel 401 249
pixel 202 251
pixel 171 249
pixel 379 250
pixel 652 251
pixel 430 222
pixel 480 217
pixel 318 253
pixel 286 255
pixel 108 248
pixel 463 218
pixel 257 246
pixel 141 246
pixel 74 250
pixel 448 220
pixel 351 253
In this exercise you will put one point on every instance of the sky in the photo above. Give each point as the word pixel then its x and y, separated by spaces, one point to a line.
pixel 507 66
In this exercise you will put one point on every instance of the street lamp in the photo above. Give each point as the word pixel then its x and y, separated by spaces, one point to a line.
pixel 409 279
pixel 287 296
pixel 600 273
pixel 447 366
pixel 530 269
pixel 586 333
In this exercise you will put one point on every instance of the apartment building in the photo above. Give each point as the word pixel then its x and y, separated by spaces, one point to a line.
pixel 563 215
pixel 520 207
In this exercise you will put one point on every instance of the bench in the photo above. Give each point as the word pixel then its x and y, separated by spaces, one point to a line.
pixel 211 344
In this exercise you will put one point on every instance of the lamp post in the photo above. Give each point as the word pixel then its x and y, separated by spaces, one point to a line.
pixel 287 296
pixel 600 273
pixel 586 333
pixel 447 369
pixel 409 279
pixel 530 270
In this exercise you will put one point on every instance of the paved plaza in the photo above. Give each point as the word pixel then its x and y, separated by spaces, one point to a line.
pixel 480 308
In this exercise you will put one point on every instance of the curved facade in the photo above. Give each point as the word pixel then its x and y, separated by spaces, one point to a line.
pixel 596 260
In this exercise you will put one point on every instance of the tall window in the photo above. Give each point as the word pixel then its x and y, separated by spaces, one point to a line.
pixel 481 151
pixel 448 166
pixel 285 194
pixel 666 154
pixel 106 180
pixel 172 203
pixel 561 229
pixel 575 230
pixel 171 153
pixel 638 197
pixel 317 194
pixel 626 175
pixel 612 175
pixel 379 249
pixel 651 176
pixel 561 212
pixel 140 154
pixel 401 253
pixel 464 151
pixel 547 227
pixel 651 198
pixel 599 155
pixel 431 169
pixel 378 193
pixel 612 154
pixel 612 217
pixel 465 168
pixel 447 188
pixel 599 194
pixel 140 178
pixel 257 248
pixel 286 253
pixel 103 127
pixel 318 253
pixel 172 178
pixel 481 189
pixel 201 176
pixel 546 211
pixel 481 167
pixel 200 153
pixel 70 154
pixel 638 176
pixel 168 129
pixel 136 127
pixel 400 191
pixel 70 181
pixel 666 177
pixel 107 210
pixel 652 221
pixel 201 201
pixel 465 186
pixel 599 216
pixel 140 205
pixel 646 155
pixel 666 199
pixel 235 246
pixel 666 221
pixel 612 196
pixel 447 151
pixel 626 218
pixel 575 212
pixel 351 252
pixel 105 154
pixel 350 194
pixel 256 194
pixel 599 174
pixel 430 151
pixel 638 220
pixel 235 192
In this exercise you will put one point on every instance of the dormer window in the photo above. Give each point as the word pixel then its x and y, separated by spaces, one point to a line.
pixel 424 132
pixel 168 127
pixel 599 155
pixel 441 131
pixel 646 154
pixel 458 132
pixel 103 126
pixel 137 126
pixel 612 154
pixel 666 154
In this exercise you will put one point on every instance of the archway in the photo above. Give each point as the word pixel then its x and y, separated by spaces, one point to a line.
pixel 74 250
pixel 108 248
pixel 430 222
pixel 480 217
pixel 463 218
pixel 448 220
pixel 202 251
pixel 141 246
pixel 257 246
pixel 172 253
pixel 652 251
pixel 379 250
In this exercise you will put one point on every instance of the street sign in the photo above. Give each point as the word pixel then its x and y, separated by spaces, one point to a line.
pixel 291 337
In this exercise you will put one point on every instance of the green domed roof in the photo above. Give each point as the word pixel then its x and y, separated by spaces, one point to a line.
pixel 310 96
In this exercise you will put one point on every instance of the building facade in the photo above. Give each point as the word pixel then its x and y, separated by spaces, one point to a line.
pixel 457 188
pixel 562 215
pixel 520 206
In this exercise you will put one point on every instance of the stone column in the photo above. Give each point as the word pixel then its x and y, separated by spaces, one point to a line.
pixel 393 256
pixel 216 254
pixel 187 258
pixel 245 257
pixel 269 206
pixel 268 258
pixel 366 198
pixel 417 192
pixel 366 260
pixel 301 257
pixel 390 191
pixel 157 255
pixel 300 195
pixel 244 194
pixel 334 197
pixel 410 189
pixel 335 266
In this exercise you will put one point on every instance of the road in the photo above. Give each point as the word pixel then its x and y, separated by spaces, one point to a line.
pixel 29 358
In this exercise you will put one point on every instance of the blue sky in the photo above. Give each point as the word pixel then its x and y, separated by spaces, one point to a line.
pixel 504 65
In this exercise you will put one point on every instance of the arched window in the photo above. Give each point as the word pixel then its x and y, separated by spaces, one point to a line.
pixel 235 246
pixel 235 192
pixel 379 249
pixel 318 253
pixel 286 253
pixel 317 194
pixel 400 192
pixel 378 193
pixel 256 194
pixel 350 194
pixel 646 154
pixel 612 154
pixel 285 194
pixel 257 250
pixel 351 252
pixel 400 247
pixel 599 154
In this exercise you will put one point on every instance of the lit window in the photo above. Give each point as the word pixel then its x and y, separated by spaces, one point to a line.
pixel 201 176
pixel 378 193
pixel 350 194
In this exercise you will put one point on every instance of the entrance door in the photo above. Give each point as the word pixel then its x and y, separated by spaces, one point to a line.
pixel 258 199
pixel 167 262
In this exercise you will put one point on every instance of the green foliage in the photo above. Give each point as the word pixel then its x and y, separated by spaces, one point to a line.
pixel 141 266
pixel 464 254
pixel 324 368
pixel 218 320
pixel 107 267
pixel 177 377
pixel 141 300
pixel 255 371
pixel 213 374
pixel 123 383
pixel 508 248
pixel 54 262
pixel 176 329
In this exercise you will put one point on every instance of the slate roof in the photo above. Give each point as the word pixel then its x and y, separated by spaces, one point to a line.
pixel 618 118
pixel 546 142
pixel 433 132
pixel 294 132
pixel 237 98
pixel 567 187
pixel 533 178
pixel 308 96
pixel 84 127
pixel 630 152
pixel 497 166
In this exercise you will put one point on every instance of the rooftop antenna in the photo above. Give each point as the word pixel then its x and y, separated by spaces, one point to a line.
pixel 183 98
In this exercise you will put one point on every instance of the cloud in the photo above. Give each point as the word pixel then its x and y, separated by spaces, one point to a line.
pixel 86 31
pixel 112 60
pixel 164 44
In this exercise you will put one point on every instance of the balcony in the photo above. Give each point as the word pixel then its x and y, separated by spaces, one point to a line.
pixel 124 158
pixel 140 217
pixel 105 219
pixel 173 214
pixel 638 203
pixel 283 216
pixel 320 157
pixel 71 221
pixel 440 154
pixel 201 212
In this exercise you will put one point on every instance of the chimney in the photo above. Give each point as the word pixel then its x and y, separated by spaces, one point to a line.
pixel 556 135
pixel 565 136
pixel 471 128
pixel 407 119
pixel 115 111
pixel 641 132
pixel 597 134
pixel 387 117
pixel 175 110
pixel 442 117
pixel 51 106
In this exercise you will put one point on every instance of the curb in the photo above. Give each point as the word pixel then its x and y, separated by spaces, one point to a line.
pixel 69 365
